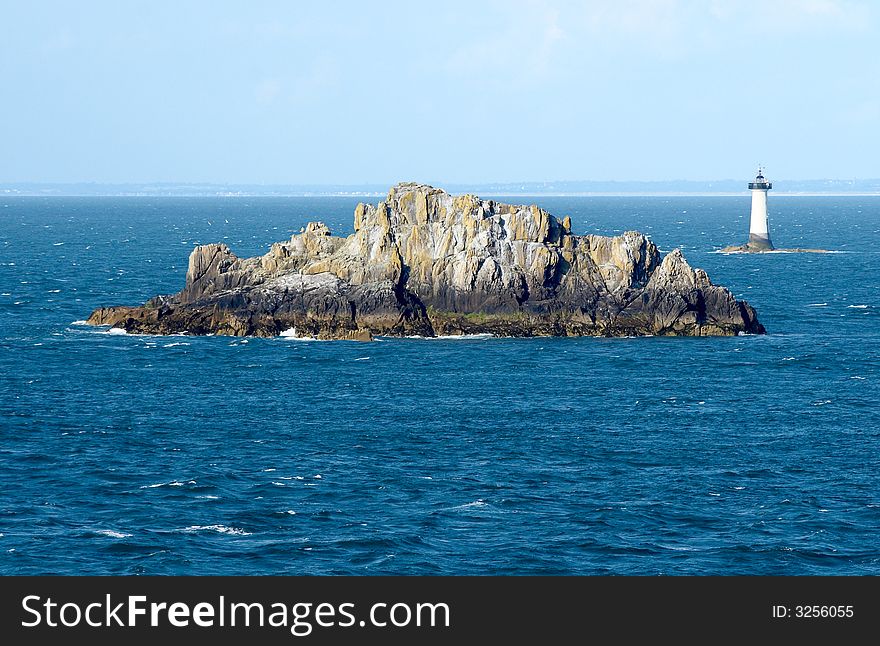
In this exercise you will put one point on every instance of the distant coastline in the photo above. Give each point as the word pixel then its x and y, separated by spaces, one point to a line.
pixel 672 188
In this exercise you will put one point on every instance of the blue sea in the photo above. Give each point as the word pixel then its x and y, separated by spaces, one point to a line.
pixel 124 454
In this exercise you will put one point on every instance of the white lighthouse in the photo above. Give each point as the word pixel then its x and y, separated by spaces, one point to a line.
pixel 759 233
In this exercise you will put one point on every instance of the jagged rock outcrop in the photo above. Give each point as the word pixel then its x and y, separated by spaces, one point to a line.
pixel 423 262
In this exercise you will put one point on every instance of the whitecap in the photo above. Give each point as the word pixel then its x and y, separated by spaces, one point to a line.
pixel 117 331
pixel 57 244
pixel 171 345
pixel 857 307
pixel 220 529
pixel 362 359
pixel 818 305
pixel 858 377
pixel 289 511
pixel 208 497
pixel 173 483
pixel 112 534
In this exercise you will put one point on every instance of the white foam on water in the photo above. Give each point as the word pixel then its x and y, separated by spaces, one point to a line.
pixel 173 483
pixel 268 470
pixel 362 359
pixel 208 497
pixel 291 335
pixel 112 534
pixel 289 511
pixel 116 331
pixel 57 244
pixel 176 343
pixel 220 529
pixel 818 305
pixel 858 377
pixel 466 337
pixel 857 307
pixel 317 476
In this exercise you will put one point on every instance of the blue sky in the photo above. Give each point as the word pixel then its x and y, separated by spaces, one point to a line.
pixel 464 92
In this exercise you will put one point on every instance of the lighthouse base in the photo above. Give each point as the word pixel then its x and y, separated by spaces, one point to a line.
pixel 760 243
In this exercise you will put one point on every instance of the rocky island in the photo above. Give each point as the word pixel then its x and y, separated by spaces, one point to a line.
pixel 424 262
pixel 750 247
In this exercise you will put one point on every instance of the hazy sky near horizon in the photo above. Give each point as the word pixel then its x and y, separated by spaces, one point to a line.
pixel 463 92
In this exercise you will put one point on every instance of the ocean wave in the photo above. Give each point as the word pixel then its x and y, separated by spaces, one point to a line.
pixel 471 505
pixel 857 307
pixel 173 483
pixel 220 529
pixel 112 534
pixel 116 331
pixel 290 334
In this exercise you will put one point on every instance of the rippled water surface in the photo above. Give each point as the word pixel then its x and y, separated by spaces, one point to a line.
pixel 181 455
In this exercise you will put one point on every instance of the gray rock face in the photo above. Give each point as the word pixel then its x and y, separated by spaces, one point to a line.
pixel 426 262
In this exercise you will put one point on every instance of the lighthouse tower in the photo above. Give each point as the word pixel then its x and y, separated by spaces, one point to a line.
pixel 759 233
